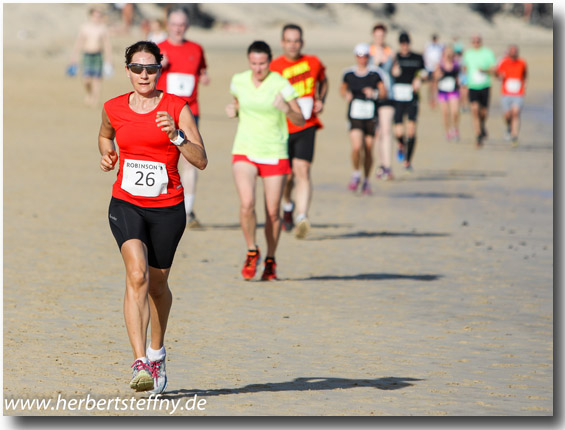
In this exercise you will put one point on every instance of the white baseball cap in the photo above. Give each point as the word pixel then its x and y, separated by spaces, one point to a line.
pixel 362 49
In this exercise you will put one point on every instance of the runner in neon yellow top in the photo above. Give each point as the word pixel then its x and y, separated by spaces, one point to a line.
pixel 263 100
pixel 262 131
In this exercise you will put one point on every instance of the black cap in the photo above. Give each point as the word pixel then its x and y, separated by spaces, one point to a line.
pixel 404 38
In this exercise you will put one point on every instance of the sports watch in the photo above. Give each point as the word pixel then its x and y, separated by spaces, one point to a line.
pixel 180 138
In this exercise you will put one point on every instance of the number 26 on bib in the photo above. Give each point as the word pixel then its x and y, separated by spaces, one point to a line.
pixel 145 178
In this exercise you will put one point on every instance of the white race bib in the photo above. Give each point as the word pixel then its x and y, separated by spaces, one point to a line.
pixel 145 178
pixel 403 92
pixel 362 109
pixel 180 84
pixel 447 84
pixel 306 106
pixel 479 77
pixel 513 85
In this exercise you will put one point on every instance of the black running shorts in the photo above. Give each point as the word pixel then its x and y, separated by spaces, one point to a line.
pixel 480 96
pixel 367 126
pixel 301 144
pixel 160 229
pixel 409 109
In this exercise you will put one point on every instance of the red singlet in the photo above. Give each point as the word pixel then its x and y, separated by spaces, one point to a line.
pixel 147 174
pixel 181 76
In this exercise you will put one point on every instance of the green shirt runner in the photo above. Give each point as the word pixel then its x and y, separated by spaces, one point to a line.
pixel 476 60
pixel 262 132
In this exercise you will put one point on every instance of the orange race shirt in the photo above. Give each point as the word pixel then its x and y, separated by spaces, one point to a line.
pixel 513 73
pixel 147 173
pixel 303 74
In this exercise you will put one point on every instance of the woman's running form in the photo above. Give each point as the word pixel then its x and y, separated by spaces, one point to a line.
pixel 152 129
pixel 446 76
pixel 382 56
pixel 262 101
pixel 361 86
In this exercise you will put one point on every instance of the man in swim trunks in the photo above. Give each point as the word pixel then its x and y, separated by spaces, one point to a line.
pixel 93 42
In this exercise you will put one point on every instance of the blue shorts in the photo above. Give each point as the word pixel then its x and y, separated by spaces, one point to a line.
pixel 92 65
pixel 509 101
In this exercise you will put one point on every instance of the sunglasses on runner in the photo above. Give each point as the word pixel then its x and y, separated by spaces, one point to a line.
pixel 151 69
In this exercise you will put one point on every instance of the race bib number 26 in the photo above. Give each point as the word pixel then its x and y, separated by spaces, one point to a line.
pixel 145 178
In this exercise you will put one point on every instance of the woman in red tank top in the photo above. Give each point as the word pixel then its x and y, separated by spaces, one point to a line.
pixel 152 130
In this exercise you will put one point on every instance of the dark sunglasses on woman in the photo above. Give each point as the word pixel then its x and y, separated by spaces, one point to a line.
pixel 151 69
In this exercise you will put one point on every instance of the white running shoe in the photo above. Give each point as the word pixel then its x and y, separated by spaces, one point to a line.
pixel 302 228
pixel 159 373
pixel 142 376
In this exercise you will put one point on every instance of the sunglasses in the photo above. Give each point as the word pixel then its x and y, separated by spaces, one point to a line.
pixel 151 69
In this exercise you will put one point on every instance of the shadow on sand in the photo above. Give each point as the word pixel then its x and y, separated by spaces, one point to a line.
pixel 432 195
pixel 300 384
pixel 453 174
pixel 237 226
pixel 370 277
pixel 373 234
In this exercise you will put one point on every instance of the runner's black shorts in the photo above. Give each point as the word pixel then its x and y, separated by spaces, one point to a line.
pixel 160 229
pixel 409 109
pixel 301 144
pixel 480 96
pixel 367 126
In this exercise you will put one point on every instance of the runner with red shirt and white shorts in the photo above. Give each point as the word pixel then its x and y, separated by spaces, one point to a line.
pixel 146 214
pixel 513 71
pixel 307 75
pixel 184 67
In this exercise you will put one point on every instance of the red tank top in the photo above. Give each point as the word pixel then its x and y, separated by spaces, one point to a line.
pixel 147 174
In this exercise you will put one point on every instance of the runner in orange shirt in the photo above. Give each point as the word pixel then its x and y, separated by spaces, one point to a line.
pixel 512 70
pixel 307 74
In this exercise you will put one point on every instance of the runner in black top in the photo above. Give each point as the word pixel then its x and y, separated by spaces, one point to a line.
pixel 408 71
pixel 361 86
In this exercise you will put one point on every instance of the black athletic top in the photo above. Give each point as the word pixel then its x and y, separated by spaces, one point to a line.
pixel 409 67
pixel 356 83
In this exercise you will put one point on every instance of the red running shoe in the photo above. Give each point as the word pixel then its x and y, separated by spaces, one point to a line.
pixel 287 222
pixel 269 273
pixel 250 265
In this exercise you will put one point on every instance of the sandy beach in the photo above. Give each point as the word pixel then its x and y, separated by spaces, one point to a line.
pixel 432 297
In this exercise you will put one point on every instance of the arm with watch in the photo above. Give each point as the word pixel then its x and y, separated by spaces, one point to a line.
pixel 187 138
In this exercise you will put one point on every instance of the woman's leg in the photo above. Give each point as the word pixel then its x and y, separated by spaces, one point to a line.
pixel 245 176
pixel 454 108
pixel 368 154
pixel 384 139
pixel 136 304
pixel 160 302
pixel 273 186
pixel 445 117
pixel 356 136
